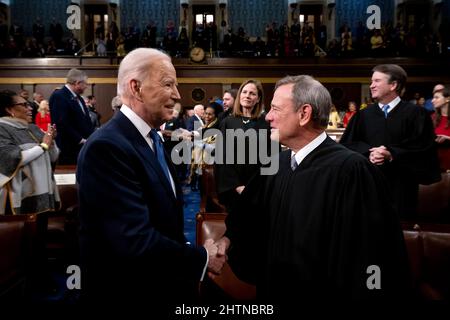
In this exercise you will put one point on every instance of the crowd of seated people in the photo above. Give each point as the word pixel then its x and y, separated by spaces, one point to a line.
pixel 297 40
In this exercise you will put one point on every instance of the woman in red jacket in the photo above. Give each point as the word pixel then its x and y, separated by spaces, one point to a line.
pixel 441 101
pixel 349 114
pixel 42 119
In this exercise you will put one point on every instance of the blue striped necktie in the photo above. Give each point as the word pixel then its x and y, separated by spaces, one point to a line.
pixel 159 150
pixel 385 110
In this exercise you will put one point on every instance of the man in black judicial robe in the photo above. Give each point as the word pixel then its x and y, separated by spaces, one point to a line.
pixel 316 228
pixel 399 140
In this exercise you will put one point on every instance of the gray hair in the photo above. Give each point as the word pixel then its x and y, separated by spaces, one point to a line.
pixel 37 94
pixel 136 65
pixel 199 107
pixel 74 75
pixel 116 103
pixel 307 90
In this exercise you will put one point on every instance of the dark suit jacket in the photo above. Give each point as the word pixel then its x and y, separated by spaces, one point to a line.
pixel 190 123
pixel 71 123
pixel 172 125
pixel 35 106
pixel 132 242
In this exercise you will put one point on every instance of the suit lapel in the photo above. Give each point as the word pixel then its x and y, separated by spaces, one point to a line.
pixel 146 152
pixel 81 100
pixel 174 174
pixel 74 101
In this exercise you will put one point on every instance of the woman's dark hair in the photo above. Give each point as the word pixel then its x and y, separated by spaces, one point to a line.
pixel 216 107
pixel 6 101
pixel 437 119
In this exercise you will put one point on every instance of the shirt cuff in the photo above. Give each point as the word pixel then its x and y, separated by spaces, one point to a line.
pixel 206 266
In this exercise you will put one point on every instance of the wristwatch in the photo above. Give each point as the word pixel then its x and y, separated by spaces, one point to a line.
pixel 44 146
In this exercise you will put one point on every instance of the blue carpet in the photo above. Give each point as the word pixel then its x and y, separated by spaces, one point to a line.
pixel 191 208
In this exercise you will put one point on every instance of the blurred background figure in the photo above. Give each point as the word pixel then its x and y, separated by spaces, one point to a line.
pixel 37 98
pixel 91 103
pixel 441 101
pixel 116 103
pixel 429 103
pixel 333 119
pixel 228 99
pixel 350 113
pixel 204 147
pixel 43 119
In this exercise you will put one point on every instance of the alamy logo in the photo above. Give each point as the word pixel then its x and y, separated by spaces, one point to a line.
pixel 74 20
pixel 74 279
pixel 374 280
pixel 374 21
pixel 241 147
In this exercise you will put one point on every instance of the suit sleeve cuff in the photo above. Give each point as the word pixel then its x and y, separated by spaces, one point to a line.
pixel 205 268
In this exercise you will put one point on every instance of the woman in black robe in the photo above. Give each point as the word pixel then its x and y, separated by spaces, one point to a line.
pixel 247 119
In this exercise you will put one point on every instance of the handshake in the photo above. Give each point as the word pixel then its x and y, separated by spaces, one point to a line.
pixel 217 255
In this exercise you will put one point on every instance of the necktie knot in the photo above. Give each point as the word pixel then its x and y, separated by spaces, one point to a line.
pixel 385 110
pixel 155 136
pixel 159 152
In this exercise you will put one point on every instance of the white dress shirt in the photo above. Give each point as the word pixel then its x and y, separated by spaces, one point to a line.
pixel 391 104
pixel 303 152
pixel 144 130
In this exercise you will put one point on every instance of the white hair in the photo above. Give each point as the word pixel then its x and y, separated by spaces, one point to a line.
pixel 75 75
pixel 136 65
pixel 116 102
pixel 199 107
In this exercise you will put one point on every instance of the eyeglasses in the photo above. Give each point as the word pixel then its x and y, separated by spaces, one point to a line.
pixel 23 104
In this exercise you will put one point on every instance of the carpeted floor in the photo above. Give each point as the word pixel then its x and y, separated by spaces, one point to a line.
pixel 191 207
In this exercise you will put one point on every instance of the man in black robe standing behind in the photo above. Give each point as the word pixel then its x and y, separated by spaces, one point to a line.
pixel 321 228
pixel 398 137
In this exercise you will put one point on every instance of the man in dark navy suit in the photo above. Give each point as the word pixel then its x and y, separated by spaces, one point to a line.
pixel 133 247
pixel 71 116
pixel 199 111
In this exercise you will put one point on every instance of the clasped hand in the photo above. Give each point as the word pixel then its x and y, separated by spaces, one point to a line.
pixel 379 154
pixel 217 255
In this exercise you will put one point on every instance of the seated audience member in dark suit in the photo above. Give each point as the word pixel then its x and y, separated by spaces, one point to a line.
pixel 397 136
pixel 322 227
pixel 199 111
pixel 133 248
pixel 71 116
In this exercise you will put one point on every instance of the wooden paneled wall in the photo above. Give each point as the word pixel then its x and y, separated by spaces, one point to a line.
pixel 346 79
